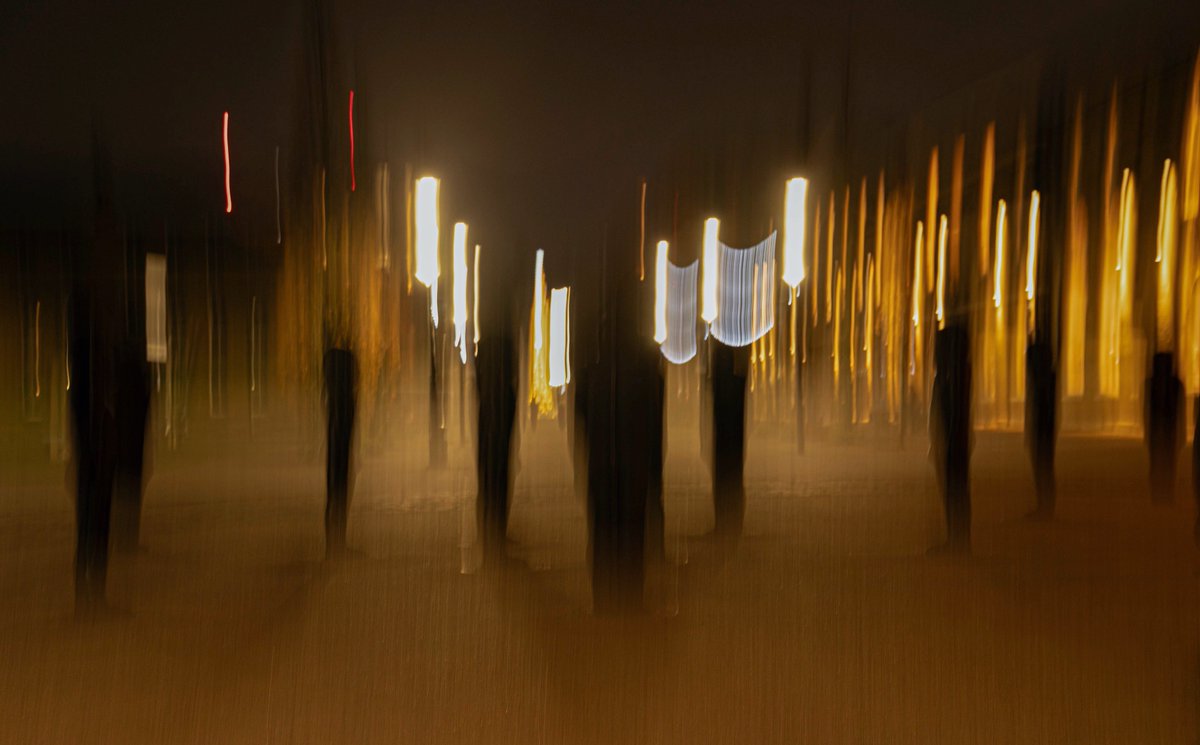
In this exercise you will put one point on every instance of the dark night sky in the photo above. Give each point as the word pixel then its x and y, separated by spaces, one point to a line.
pixel 534 110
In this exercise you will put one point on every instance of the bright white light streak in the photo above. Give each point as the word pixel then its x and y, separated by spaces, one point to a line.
pixel 1031 261
pixel 941 273
pixel 795 205
pixel 680 345
pixel 998 271
pixel 475 299
pixel 427 230
pixel 539 295
pixel 708 311
pixel 660 293
pixel 459 313
pixel 746 275
pixel 560 337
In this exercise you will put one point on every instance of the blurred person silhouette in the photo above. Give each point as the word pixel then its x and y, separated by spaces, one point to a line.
pixel 728 367
pixel 496 400
pixel 1164 425
pixel 93 336
pixel 950 434
pixel 614 371
pixel 341 400
pixel 132 410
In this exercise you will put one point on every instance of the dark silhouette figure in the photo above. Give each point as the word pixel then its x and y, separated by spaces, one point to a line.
pixel 1041 422
pixel 93 336
pixel 94 438
pixel 655 513
pixel 727 375
pixel 619 426
pixel 132 408
pixel 1164 425
pixel 950 433
pixel 341 379
pixel 496 381
pixel 615 371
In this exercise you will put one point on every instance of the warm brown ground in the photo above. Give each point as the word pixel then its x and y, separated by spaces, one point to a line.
pixel 829 624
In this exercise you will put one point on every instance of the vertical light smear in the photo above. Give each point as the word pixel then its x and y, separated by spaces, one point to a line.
pixel 795 204
pixel 868 344
pixel 1000 326
pixel 1165 258
pixel 427 230
pixel 940 309
pixel 816 254
pixel 846 231
pixel 1189 258
pixel 225 143
pixel 1128 247
pixel 918 290
pixel 539 295
pixel 1109 372
pixel 918 293
pixel 998 269
pixel 953 245
pixel 860 263
pixel 931 203
pixel 426 208
pixel 1031 255
pixel 837 334
pixel 156 290
pixel 475 299
pixel 712 227
pixel 660 293
pixel 559 322
pixel 829 260
pixel 642 235
pixel 987 179
pixel 383 203
pixel 879 242
pixel 1075 287
pixel 459 312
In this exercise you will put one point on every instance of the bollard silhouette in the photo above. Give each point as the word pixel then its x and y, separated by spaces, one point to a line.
pixel 340 401
pixel 1164 426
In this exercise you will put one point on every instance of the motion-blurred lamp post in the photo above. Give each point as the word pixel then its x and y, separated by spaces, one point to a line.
pixel 794 205
pixel 460 290
pixel 708 269
pixel 426 208
pixel 660 293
